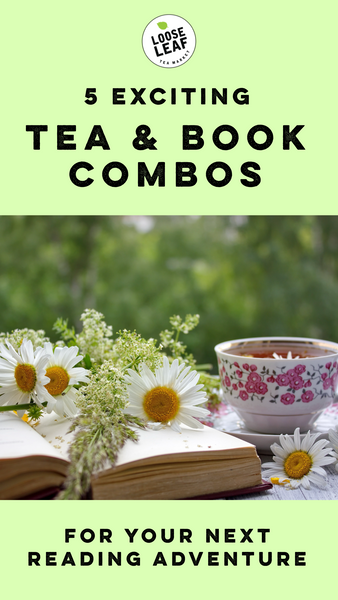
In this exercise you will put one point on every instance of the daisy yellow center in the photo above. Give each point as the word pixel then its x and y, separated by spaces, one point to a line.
pixel 59 380
pixel 161 404
pixel 25 377
pixel 297 464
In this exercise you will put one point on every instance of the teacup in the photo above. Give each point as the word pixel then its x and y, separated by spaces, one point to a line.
pixel 276 384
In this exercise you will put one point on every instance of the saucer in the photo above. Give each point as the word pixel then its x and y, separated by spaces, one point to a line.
pixel 225 419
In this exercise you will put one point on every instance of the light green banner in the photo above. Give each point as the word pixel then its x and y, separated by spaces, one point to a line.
pixel 239 548
pixel 282 54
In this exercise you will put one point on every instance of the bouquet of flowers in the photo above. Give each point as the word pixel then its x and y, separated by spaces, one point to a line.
pixel 107 387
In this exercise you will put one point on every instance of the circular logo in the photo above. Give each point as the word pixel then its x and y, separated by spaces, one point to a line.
pixel 169 41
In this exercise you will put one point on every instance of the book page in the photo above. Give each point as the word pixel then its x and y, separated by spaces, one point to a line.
pixel 18 439
pixel 51 437
pixel 151 442
pixel 54 430
pixel 167 441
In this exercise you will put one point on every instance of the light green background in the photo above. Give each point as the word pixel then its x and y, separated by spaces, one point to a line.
pixel 283 53
pixel 294 527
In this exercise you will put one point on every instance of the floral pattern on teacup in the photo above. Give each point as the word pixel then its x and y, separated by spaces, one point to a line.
pixel 250 382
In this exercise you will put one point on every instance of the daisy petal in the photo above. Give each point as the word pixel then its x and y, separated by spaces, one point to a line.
pixel 169 396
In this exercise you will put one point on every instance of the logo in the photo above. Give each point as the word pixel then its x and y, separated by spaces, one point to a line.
pixel 169 41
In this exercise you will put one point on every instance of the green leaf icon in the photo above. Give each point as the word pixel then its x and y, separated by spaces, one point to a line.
pixel 162 25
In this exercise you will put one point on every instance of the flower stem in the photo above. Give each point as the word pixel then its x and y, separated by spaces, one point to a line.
pixel 20 406
pixel 175 343
pixel 131 364
pixel 97 432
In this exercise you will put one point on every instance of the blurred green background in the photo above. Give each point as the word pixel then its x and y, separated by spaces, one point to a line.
pixel 244 276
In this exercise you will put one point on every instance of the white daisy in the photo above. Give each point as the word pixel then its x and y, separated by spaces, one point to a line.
pixel 333 435
pixel 23 375
pixel 63 375
pixel 299 462
pixel 170 396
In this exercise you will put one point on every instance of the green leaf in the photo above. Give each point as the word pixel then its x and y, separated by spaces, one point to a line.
pixel 87 361
pixel 162 25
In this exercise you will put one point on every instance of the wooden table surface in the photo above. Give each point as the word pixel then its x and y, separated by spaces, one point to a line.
pixel 278 492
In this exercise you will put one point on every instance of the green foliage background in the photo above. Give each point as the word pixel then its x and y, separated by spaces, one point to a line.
pixel 245 276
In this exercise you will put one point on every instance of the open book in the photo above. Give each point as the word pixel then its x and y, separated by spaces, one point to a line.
pixel 161 465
